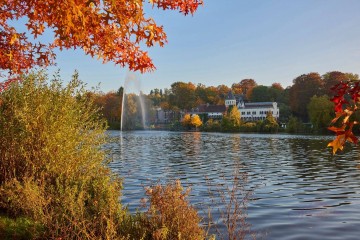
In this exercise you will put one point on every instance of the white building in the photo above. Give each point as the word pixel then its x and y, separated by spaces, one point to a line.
pixel 252 111
pixel 230 100
pixel 258 110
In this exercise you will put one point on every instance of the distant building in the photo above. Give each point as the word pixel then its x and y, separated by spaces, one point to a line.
pixel 258 110
pixel 165 116
pixel 230 99
pixel 234 99
pixel 252 111
pixel 212 111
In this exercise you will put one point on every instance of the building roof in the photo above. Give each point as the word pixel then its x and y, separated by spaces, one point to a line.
pixel 259 105
pixel 240 97
pixel 205 108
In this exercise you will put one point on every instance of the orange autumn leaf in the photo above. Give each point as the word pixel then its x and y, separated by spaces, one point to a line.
pixel 114 30
pixel 343 134
pixel 337 143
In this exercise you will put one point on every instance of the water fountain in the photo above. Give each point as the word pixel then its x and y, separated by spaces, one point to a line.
pixel 131 78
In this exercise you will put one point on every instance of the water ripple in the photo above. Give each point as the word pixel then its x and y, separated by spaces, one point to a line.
pixel 301 191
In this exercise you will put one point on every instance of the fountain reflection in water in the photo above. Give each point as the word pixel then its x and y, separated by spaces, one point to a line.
pixel 131 80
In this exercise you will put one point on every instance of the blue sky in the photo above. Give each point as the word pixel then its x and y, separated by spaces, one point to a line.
pixel 230 40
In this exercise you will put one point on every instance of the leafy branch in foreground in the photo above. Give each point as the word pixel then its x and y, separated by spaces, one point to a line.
pixel 346 102
pixel 110 30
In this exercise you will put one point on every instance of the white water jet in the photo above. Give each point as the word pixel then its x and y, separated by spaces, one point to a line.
pixel 131 78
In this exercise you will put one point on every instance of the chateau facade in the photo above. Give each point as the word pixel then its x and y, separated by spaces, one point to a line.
pixel 252 111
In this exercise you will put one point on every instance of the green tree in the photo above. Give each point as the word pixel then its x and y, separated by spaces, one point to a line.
pixel 260 94
pixel 276 92
pixel 294 125
pixel 321 112
pixel 285 112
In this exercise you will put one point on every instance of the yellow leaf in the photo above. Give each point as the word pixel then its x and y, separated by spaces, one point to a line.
pixel 10 55
pixel 13 39
pixel 337 143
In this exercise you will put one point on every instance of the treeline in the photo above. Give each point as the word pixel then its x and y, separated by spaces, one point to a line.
pixel 307 100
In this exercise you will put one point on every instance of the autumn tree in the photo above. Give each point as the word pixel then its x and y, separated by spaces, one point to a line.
pixel 110 105
pixel 115 31
pixel 222 91
pixel 335 77
pixel 304 87
pixel 235 117
pixel 196 121
pixel 186 121
pixel 182 95
pixel 206 94
pixel 270 124
pixel 236 88
pixel 277 86
pixel 232 120
pixel 247 86
pixel 155 97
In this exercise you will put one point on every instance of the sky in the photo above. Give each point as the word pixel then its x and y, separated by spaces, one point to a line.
pixel 230 40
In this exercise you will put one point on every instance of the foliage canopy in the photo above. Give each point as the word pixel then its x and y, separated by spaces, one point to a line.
pixel 110 30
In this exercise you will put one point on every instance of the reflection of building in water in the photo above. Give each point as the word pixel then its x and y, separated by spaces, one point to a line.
pixel 252 111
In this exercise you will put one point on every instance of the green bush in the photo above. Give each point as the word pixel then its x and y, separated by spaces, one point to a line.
pixel 52 166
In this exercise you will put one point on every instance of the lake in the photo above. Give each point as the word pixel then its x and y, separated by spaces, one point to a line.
pixel 299 189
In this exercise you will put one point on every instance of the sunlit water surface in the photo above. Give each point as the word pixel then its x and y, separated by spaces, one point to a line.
pixel 300 191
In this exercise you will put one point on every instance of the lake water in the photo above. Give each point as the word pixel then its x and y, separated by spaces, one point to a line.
pixel 300 191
